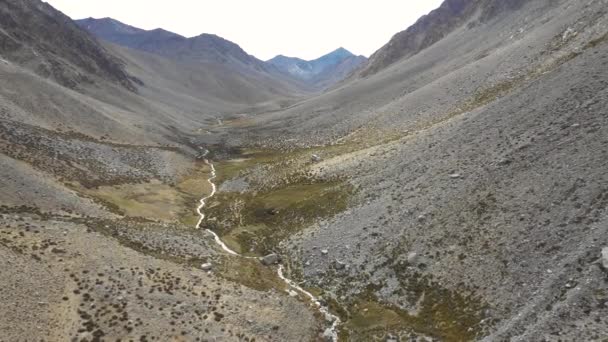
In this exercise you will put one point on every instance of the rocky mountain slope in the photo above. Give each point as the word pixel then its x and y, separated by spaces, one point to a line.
pixel 436 25
pixel 207 47
pixel 478 211
pixel 323 71
pixel 42 39
pixel 89 153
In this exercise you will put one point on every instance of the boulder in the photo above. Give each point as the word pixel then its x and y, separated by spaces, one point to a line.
pixel 412 257
pixel 206 266
pixel 605 258
pixel 315 158
pixel 270 259
pixel 324 251
pixel 338 265
pixel 391 338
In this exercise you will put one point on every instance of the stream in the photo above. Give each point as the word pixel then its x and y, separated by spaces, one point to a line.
pixel 330 333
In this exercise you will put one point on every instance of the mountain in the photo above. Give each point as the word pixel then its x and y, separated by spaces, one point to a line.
pixel 122 34
pixel 453 188
pixel 77 125
pixel 35 35
pixel 436 25
pixel 202 48
pixel 229 76
pixel 475 143
pixel 323 71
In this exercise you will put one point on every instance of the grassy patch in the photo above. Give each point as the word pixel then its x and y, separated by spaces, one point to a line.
pixel 283 199
pixel 250 273
pixel 245 159
pixel 268 217
pixel 149 200
pixel 440 313
pixel 156 200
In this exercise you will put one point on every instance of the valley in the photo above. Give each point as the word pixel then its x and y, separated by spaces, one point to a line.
pixel 450 187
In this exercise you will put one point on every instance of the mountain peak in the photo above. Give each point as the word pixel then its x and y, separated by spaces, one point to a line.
pixel 341 52
pixel 107 25
pixel 323 71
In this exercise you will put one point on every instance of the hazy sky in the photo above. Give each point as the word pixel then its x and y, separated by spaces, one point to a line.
pixel 265 28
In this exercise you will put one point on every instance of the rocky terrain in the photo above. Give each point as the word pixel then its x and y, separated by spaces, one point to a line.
pixel 452 188
pixel 27 38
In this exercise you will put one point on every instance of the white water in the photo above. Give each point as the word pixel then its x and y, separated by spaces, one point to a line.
pixel 326 314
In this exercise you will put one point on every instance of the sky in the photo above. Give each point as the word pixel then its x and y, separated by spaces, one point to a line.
pixel 265 28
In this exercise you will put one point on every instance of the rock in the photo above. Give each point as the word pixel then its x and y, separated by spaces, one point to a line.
pixel 412 257
pixel 569 33
pixel 322 301
pixel 206 266
pixel 324 251
pixel 328 335
pixel 570 284
pixel 339 265
pixel 455 175
pixel 504 161
pixel 391 338
pixel 270 259
pixel 605 258
pixel 315 158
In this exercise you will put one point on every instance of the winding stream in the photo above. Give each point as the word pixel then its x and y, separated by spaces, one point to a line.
pixel 331 332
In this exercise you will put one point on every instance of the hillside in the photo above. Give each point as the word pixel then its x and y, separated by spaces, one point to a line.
pixel 477 211
pixel 242 77
pixel 42 39
pixel 323 71
pixel 100 176
pixel 436 25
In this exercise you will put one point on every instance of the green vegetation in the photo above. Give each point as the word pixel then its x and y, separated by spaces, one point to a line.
pixel 255 223
pixel 155 200
pixel 439 313
pixel 246 158
pixel 250 273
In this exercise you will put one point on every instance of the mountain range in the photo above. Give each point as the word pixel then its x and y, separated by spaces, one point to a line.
pixel 453 187
pixel 317 74
pixel 323 71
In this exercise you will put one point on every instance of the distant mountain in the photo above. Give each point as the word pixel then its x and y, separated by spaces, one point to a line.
pixel 38 37
pixel 206 62
pixel 122 34
pixel 205 47
pixel 321 72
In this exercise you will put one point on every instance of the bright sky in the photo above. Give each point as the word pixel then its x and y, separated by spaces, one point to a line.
pixel 266 28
